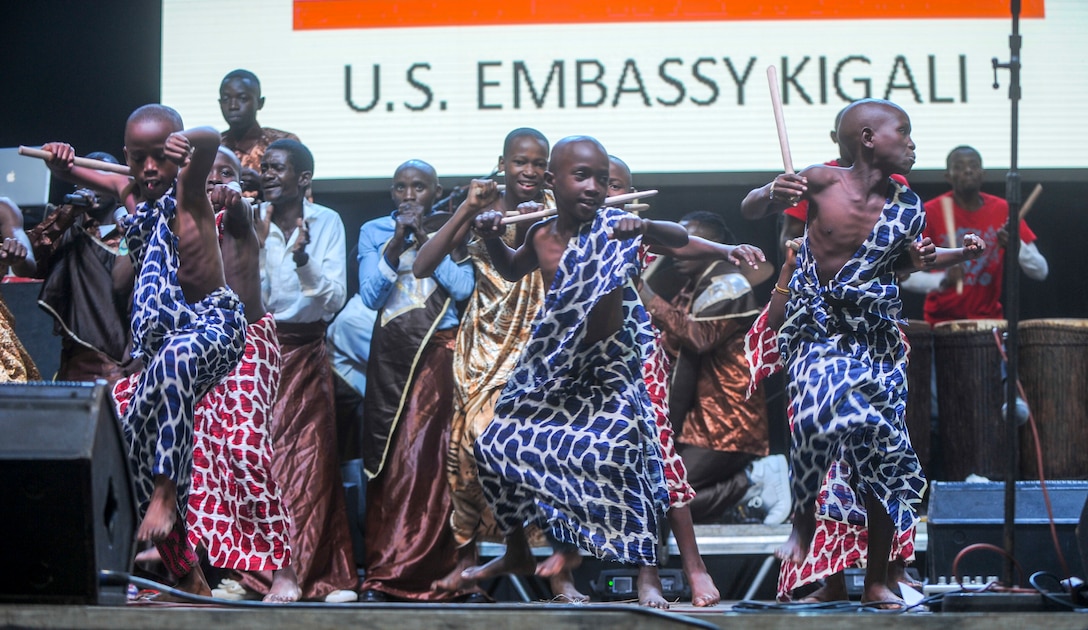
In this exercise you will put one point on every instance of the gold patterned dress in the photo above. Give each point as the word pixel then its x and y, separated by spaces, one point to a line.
pixel 15 362
pixel 494 330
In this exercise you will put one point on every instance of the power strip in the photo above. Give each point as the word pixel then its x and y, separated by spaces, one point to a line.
pixel 968 585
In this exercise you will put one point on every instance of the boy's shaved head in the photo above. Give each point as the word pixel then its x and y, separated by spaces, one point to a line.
pixel 622 166
pixel 523 132
pixel 231 157
pixel 564 146
pixel 963 148
pixel 859 115
pixel 156 113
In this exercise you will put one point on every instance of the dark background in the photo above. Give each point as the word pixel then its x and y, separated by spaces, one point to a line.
pixel 73 70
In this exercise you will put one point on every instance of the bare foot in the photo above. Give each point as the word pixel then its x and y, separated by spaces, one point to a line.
pixel 517 560
pixel 195 583
pixel 649 588
pixel 881 597
pixel 833 590
pixel 284 588
pixel 796 547
pixel 162 512
pixel 559 569
pixel 897 572
pixel 454 582
pixel 567 559
pixel 563 589
pixel 703 591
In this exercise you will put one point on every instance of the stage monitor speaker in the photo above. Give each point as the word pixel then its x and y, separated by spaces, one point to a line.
pixel 962 514
pixel 66 494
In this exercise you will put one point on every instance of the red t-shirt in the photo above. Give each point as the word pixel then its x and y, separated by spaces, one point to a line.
pixel 981 297
pixel 800 211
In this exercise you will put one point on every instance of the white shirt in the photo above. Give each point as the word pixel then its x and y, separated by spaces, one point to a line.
pixel 317 290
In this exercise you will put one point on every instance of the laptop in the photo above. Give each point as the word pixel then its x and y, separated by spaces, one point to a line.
pixel 24 180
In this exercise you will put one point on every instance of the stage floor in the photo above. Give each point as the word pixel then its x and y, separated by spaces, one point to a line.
pixel 503 617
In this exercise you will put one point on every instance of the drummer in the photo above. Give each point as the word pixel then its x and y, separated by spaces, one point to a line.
pixel 979 295
pixel 982 214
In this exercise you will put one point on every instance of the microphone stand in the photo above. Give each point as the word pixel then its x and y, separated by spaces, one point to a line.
pixel 1012 295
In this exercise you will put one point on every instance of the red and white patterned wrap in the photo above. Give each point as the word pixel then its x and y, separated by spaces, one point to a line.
pixel 761 350
pixel 235 506
pixel 838 544
pixel 656 373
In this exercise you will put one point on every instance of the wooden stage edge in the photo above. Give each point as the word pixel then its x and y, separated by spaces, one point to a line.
pixel 502 617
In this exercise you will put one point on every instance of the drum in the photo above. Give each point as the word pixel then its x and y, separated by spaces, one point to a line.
pixel 919 387
pixel 1054 372
pixel 969 397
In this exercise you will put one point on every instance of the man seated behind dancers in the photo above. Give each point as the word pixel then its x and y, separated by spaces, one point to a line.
pixel 841 340
pixel 573 446
pixel 723 434
pixel 187 325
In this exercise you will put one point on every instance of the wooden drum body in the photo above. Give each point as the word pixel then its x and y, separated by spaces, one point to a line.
pixel 919 387
pixel 1054 372
pixel 969 397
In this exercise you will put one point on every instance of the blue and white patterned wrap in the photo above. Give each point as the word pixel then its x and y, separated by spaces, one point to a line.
pixel 847 368
pixel 187 349
pixel 574 445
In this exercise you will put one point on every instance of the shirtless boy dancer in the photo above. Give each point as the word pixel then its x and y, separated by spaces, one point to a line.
pixel 188 327
pixel 844 353
pixel 573 445
pixel 495 327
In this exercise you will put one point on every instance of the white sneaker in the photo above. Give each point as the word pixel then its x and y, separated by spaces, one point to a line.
pixel 772 474
pixel 341 597
pixel 230 590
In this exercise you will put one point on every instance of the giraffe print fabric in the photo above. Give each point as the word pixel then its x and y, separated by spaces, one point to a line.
pixel 846 363
pixel 186 348
pixel 574 446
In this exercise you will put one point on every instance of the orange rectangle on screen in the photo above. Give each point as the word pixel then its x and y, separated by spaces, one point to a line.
pixel 350 14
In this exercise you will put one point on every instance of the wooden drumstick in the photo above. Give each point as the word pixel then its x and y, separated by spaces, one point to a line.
pixel 616 200
pixel 514 217
pixel 950 229
pixel 779 119
pixel 1026 208
pixel 529 216
pixel 97 165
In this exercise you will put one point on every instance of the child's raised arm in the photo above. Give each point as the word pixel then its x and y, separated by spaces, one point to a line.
pixel 784 190
pixel 63 166
pixel 194 150
pixel 482 193
pixel 663 233
pixel 511 264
